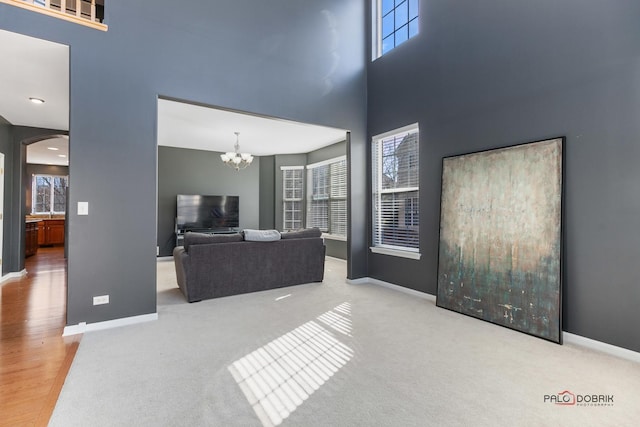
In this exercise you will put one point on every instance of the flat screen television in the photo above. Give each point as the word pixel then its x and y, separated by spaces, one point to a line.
pixel 207 213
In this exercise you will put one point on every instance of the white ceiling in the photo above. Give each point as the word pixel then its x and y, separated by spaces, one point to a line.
pixel 51 151
pixel 32 67
pixel 204 128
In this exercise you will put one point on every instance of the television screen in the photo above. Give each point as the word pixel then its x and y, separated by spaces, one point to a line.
pixel 196 213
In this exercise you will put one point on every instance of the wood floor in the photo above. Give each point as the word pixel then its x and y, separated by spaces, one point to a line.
pixel 34 357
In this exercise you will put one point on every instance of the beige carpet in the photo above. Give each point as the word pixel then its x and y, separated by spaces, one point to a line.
pixel 334 354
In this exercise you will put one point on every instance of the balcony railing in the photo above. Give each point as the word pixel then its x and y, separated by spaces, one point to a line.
pixel 86 12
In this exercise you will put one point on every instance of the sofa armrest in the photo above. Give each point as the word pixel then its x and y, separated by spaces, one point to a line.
pixel 180 260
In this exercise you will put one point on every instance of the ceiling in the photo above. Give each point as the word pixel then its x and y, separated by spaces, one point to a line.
pixel 34 68
pixel 37 68
pixel 50 151
pixel 204 128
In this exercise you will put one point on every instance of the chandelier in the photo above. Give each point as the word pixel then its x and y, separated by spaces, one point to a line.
pixel 237 160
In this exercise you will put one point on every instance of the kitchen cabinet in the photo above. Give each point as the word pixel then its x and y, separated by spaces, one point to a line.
pixel 51 232
pixel 31 238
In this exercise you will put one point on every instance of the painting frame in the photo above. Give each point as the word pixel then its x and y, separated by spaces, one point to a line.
pixel 501 234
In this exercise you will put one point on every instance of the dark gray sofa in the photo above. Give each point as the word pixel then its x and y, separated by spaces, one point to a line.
pixel 211 266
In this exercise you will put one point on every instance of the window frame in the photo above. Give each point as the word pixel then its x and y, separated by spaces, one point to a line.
pixel 290 200
pixel 378 190
pixel 377 25
pixel 335 190
pixel 34 194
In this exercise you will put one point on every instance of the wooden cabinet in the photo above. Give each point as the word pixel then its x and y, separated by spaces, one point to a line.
pixel 51 232
pixel 31 238
pixel 41 234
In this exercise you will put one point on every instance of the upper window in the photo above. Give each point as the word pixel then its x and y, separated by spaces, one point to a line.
pixel 292 197
pixel 327 196
pixel 49 194
pixel 396 21
pixel 395 183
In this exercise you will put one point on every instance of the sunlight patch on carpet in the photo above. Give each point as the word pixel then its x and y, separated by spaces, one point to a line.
pixel 279 376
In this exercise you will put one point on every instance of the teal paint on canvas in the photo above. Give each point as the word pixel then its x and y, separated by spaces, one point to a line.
pixel 500 237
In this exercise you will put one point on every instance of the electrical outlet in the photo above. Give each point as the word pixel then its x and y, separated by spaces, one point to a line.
pixel 157 250
pixel 102 299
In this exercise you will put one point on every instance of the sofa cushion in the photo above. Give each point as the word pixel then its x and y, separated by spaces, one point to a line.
pixel 261 235
pixel 191 238
pixel 302 233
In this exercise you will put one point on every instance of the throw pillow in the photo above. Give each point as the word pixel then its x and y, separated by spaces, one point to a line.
pixel 261 235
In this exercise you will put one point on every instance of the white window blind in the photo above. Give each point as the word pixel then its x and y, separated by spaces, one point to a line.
pixel 327 196
pixel 396 216
pixel 292 197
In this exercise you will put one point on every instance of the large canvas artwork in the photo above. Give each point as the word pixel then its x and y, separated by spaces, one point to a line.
pixel 500 237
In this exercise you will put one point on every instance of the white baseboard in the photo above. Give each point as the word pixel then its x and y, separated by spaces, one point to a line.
pixel 567 337
pixel 13 276
pixel 613 350
pixel 83 327
pixel 164 258
pixel 335 258
pixel 365 280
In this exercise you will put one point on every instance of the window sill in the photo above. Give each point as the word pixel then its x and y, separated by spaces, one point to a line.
pixel 395 252
pixel 334 237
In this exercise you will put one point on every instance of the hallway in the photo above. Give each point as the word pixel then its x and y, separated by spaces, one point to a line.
pixel 34 357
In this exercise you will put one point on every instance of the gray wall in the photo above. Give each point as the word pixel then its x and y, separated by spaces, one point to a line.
pixel 482 75
pixel 300 60
pixel 267 192
pixel 182 171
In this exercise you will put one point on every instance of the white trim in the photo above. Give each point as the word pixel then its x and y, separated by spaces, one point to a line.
pixel 567 338
pixel 83 327
pixel 327 162
pixel 398 190
pixel 395 252
pixel 414 127
pixel 164 258
pixel 289 168
pixel 11 276
pixel 413 292
pixel 376 22
pixel 600 346
pixel 335 258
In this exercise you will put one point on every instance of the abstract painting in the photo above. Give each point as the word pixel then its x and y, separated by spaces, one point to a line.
pixel 501 237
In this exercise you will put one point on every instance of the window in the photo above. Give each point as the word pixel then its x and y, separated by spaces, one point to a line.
pixel 396 212
pixel 49 194
pixel 292 197
pixel 396 21
pixel 327 196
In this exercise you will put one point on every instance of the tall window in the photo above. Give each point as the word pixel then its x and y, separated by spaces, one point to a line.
pixel 327 196
pixel 396 21
pixel 49 194
pixel 396 213
pixel 292 196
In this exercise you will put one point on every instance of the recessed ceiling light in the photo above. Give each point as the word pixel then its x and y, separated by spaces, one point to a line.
pixel 62 155
pixel 52 148
pixel 36 100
